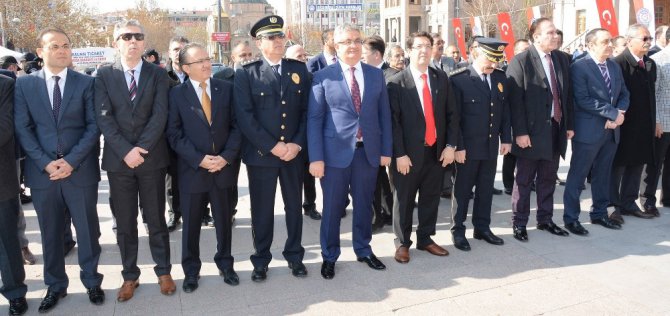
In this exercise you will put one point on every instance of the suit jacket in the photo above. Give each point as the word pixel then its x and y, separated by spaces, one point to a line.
pixel 9 183
pixel 637 132
pixel 389 72
pixel 317 63
pixel 174 79
pixel 75 128
pixel 127 124
pixel 332 121
pixel 594 105
pixel 444 60
pixel 531 103
pixel 485 115
pixel 409 124
pixel 192 137
pixel 270 110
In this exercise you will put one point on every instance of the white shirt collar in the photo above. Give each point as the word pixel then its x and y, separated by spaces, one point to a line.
pixel 137 68
pixel 329 58
pixel 48 74
pixel 417 74
pixel 196 84
pixel 345 67
pixel 596 59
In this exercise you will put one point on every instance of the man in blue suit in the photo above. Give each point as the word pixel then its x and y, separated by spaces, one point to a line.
pixel 349 137
pixel 601 98
pixel 201 131
pixel 56 126
pixel 325 58
pixel 271 107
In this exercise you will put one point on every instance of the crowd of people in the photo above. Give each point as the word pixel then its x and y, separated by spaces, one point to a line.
pixel 386 129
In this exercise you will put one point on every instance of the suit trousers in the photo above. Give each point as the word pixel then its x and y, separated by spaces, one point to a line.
pixel 50 205
pixel 193 210
pixel 262 190
pixel 21 228
pixel 383 200
pixel 544 174
pixel 481 175
pixel 625 186
pixel 172 186
pixel 509 164
pixel 124 189
pixel 309 190
pixel 11 262
pixel 660 170
pixel 449 176
pixel 424 179
pixel 597 158
pixel 359 178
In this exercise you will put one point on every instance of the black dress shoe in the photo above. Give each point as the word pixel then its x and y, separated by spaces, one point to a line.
pixel 67 248
pixel 25 199
pixel 489 237
pixel 51 300
pixel 259 274
pixel 552 228
pixel 616 217
pixel 372 262
pixel 190 284
pixel 313 214
pixel 298 269
pixel 445 194
pixel 497 191
pixel 461 243
pixel 577 228
pixel 652 209
pixel 560 181
pixel 328 270
pixel 606 222
pixel 508 191
pixel 520 233
pixel 18 306
pixel 173 222
pixel 96 295
pixel 636 213
pixel 230 276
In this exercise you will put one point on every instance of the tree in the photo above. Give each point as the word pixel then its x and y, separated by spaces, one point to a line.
pixel 155 22
pixel 488 10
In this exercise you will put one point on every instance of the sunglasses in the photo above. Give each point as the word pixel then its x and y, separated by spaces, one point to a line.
pixel 645 39
pixel 274 37
pixel 127 36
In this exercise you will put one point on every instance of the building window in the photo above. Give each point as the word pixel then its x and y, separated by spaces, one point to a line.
pixel 580 26
pixel 658 15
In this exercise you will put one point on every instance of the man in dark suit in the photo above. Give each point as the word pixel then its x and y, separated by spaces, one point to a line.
pixel 636 147
pixel 349 137
pixel 395 58
pixel 202 132
pixel 131 107
pixel 438 60
pixel 270 107
pixel 454 59
pixel 660 40
pixel 62 169
pixel 601 98
pixel 541 104
pixel 481 98
pixel 11 263
pixel 425 129
pixel 382 205
pixel 325 58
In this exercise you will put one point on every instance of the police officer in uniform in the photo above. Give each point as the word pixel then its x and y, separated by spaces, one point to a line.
pixel 485 119
pixel 271 96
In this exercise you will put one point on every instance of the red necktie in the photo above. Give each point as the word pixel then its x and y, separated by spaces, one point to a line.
pixel 356 99
pixel 428 113
pixel 554 90
pixel 641 63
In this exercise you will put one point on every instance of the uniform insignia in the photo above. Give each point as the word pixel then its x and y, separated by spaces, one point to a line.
pixel 457 71
pixel 273 19
pixel 500 87
pixel 296 78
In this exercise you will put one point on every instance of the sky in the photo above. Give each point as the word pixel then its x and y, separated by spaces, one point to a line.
pixel 115 5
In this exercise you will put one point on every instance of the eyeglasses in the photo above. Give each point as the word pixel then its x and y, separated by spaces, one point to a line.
pixel 645 39
pixel 56 47
pixel 200 61
pixel 350 42
pixel 127 36
pixel 422 46
pixel 274 37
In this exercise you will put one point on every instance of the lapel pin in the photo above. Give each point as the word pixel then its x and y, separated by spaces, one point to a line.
pixel 500 87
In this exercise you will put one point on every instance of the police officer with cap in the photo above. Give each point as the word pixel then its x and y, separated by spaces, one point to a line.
pixel 271 96
pixel 481 96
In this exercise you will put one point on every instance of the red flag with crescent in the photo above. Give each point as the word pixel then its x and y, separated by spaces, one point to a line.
pixel 506 33
pixel 460 36
pixel 608 16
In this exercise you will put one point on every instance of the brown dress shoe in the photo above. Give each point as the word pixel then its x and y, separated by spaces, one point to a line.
pixel 402 254
pixel 28 257
pixel 167 284
pixel 652 210
pixel 616 217
pixel 434 249
pixel 127 290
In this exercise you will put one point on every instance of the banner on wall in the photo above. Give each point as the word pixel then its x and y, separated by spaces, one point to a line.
pixel 476 24
pixel 644 14
pixel 460 36
pixel 91 56
pixel 607 16
pixel 506 33
pixel 533 13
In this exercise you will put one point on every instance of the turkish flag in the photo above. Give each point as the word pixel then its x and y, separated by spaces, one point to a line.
pixel 607 16
pixel 506 33
pixel 460 36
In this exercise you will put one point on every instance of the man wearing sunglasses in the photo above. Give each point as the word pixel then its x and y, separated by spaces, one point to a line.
pixel 131 109
pixel 636 146
pixel 271 106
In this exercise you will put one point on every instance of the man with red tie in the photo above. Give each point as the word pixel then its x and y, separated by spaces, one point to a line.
pixel 425 131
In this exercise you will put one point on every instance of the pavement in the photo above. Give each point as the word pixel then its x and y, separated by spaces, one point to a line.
pixel 607 273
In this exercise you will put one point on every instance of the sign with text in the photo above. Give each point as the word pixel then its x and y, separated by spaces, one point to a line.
pixel 91 56
pixel 335 7
pixel 221 37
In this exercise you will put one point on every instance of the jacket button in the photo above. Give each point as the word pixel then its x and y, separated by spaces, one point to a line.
pixel 283 102
pixel 491 114
pixel 283 115
pixel 281 138
pixel 262 94
pixel 298 91
pixel 283 127
pixel 491 125
pixel 489 135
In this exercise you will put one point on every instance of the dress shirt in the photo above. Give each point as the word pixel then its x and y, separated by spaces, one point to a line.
pixel 137 68
pixel 416 75
pixel 272 64
pixel 359 76
pixel 198 90
pixel 662 60
pixel 180 75
pixel 51 83
pixel 329 58
pixel 545 65
pixel 481 76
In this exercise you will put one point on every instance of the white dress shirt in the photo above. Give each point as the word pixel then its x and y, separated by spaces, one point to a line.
pixel 416 75
pixel 358 73
pixel 137 68
pixel 279 63
pixel 329 58
pixel 547 71
pixel 51 83
pixel 481 76
pixel 198 90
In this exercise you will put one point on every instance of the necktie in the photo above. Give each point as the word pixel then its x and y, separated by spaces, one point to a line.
pixel 486 82
pixel 606 77
pixel 356 98
pixel 334 60
pixel 430 136
pixel 57 100
pixel 276 70
pixel 554 90
pixel 133 85
pixel 206 103
pixel 641 63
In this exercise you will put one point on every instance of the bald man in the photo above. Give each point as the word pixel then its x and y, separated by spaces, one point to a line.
pixel 297 52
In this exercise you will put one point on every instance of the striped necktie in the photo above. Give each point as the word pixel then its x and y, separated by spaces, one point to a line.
pixel 606 77
pixel 133 85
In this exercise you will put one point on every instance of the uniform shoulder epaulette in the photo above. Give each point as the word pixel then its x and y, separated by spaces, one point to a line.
pixel 293 60
pixel 457 71
pixel 500 69
pixel 250 62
